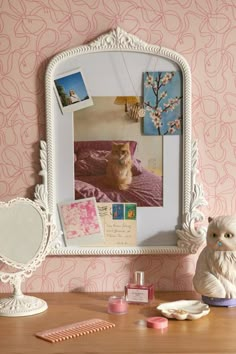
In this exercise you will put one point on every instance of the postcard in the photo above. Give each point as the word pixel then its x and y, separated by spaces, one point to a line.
pixel 119 223
pixel 81 223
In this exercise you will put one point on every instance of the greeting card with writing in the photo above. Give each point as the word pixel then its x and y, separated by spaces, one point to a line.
pixel 119 223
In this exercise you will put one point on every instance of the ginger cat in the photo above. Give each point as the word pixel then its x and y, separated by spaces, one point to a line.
pixel 119 165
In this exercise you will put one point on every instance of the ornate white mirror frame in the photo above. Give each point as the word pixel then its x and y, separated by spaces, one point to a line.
pixel 26 237
pixel 188 235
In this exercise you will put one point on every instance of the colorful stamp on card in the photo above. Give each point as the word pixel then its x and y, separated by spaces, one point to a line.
pixel 118 211
pixel 130 211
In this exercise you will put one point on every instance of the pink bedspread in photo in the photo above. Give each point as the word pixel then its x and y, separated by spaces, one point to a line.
pixel 146 188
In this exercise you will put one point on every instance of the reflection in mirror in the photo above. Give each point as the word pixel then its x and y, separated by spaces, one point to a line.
pixel 25 240
pixel 170 225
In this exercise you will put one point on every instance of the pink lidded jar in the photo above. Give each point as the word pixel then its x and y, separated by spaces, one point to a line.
pixel 117 305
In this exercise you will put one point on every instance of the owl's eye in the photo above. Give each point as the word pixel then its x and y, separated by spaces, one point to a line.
pixel 214 235
pixel 228 235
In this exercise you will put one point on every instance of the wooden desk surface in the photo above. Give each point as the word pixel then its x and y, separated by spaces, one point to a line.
pixel 214 333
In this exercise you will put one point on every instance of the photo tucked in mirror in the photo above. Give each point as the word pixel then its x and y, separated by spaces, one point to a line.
pixel 107 144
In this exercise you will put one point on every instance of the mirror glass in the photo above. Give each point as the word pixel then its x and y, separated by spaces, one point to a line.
pixel 112 67
pixel 21 232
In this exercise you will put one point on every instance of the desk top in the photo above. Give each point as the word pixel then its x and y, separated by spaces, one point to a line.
pixel 214 333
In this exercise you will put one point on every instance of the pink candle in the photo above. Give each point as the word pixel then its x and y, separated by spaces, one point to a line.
pixel 117 305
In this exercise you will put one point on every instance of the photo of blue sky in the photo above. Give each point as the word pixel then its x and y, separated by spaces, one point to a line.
pixel 73 82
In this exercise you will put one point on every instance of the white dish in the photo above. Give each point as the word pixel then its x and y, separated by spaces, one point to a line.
pixel 184 309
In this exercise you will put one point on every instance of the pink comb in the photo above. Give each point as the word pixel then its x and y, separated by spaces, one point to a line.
pixel 74 330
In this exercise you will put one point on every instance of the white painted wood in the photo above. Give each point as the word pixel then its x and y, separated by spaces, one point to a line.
pixel 171 229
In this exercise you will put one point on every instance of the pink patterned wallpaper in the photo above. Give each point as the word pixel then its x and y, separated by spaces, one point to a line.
pixel 31 32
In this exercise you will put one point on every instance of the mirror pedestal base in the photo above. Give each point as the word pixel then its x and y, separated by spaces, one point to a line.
pixel 22 305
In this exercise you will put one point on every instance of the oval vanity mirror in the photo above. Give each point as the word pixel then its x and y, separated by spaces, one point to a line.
pixel 24 243
pixel 110 72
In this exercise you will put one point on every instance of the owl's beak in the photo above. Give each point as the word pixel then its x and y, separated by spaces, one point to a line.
pixel 219 243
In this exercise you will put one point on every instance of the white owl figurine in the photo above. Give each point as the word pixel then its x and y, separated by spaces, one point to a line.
pixel 215 276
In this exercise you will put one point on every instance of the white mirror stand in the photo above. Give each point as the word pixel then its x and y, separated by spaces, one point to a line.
pixel 19 304
pixel 25 239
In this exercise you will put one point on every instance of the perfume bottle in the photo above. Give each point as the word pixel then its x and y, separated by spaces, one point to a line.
pixel 139 292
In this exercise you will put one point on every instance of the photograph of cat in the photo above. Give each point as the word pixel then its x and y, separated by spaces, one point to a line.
pixel 215 274
pixel 119 165
pixel 96 128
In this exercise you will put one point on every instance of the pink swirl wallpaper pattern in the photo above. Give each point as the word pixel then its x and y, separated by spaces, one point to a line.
pixel 32 32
